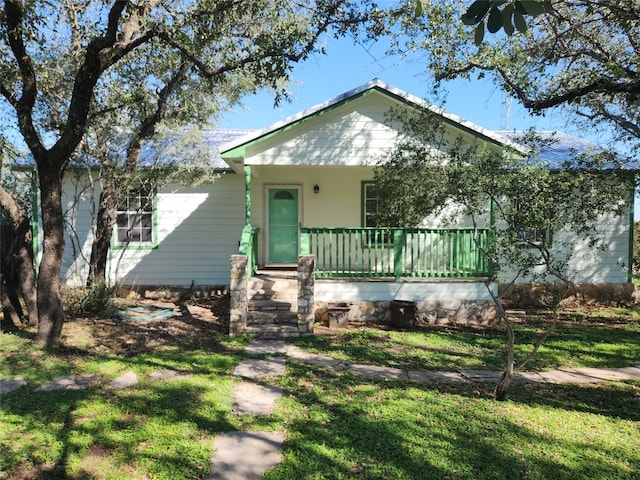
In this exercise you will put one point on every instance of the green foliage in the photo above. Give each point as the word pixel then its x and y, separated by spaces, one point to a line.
pixel 539 216
pixel 510 17
pixel 18 184
pixel 579 57
pixel 123 68
pixel 434 176
pixel 412 170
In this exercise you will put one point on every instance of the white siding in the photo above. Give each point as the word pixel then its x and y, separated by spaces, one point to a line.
pixel 587 264
pixel 198 230
pixel 80 197
pixel 345 136
pixel 354 134
pixel 327 291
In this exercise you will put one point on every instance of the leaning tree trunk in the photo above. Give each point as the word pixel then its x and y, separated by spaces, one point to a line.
pixel 27 281
pixel 102 236
pixel 25 274
pixel 507 376
pixel 11 306
pixel 50 309
pixel 11 309
pixel 17 257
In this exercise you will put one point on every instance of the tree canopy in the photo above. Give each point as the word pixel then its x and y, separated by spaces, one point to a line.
pixel 68 63
pixel 578 55
pixel 540 216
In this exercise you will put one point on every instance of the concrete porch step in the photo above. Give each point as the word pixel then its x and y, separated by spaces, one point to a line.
pixel 269 286
pixel 278 297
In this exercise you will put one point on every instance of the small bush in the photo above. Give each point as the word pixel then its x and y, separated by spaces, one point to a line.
pixel 98 299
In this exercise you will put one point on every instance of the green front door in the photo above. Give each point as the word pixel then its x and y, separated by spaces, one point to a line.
pixel 283 225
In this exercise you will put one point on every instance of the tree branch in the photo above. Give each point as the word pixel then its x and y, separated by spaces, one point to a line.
pixel 14 15
pixel 99 55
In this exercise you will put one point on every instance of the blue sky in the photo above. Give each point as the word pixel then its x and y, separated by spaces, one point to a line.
pixel 346 66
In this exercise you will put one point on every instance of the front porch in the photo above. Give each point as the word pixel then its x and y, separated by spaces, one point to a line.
pixel 442 270
pixel 397 253
pixel 386 253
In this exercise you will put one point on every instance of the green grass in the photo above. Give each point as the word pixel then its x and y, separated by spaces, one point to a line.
pixel 343 427
pixel 338 426
pixel 585 343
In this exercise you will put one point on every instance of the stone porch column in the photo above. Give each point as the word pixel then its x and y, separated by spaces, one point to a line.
pixel 238 295
pixel 306 287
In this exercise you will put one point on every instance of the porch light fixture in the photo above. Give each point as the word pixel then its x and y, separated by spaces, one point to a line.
pixel 316 188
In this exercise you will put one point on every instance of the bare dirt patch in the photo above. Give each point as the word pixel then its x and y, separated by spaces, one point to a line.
pixel 196 324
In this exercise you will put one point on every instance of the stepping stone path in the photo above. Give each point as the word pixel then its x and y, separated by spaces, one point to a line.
pixel 8 386
pixel 126 380
pixel 71 382
pixel 248 455
pixel 87 380
pixel 260 368
pixel 254 399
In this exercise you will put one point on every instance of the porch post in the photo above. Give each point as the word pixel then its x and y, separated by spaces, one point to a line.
pixel 238 292
pixel 399 240
pixel 247 194
pixel 306 300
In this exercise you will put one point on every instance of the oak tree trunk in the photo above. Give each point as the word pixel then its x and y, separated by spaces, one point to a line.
pixel 507 376
pixel 50 308
pixel 11 308
pixel 102 236
pixel 16 247
pixel 24 264
pixel 26 277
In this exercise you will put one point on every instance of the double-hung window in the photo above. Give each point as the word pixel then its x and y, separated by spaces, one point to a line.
pixel 369 204
pixel 135 220
pixel 378 236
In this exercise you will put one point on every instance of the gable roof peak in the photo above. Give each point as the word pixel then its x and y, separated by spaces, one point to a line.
pixel 387 89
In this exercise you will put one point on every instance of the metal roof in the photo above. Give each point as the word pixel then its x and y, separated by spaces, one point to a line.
pixel 559 150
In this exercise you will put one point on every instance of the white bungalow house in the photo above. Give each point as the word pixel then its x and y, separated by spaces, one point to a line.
pixel 297 196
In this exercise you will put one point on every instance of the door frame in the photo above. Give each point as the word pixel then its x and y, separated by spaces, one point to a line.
pixel 277 186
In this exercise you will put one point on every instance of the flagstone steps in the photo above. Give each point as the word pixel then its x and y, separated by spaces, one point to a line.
pixel 273 305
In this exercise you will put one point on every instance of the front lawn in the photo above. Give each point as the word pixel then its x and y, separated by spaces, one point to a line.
pixel 338 426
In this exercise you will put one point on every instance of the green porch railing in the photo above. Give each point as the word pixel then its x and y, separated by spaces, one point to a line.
pixel 396 252
pixel 249 247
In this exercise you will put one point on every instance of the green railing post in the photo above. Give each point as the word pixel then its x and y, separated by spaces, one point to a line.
pixel 305 242
pixel 399 240
pixel 249 247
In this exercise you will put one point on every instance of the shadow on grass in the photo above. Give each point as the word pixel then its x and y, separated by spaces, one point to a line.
pixel 155 426
pixel 354 428
pixel 426 349
pixel 440 349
